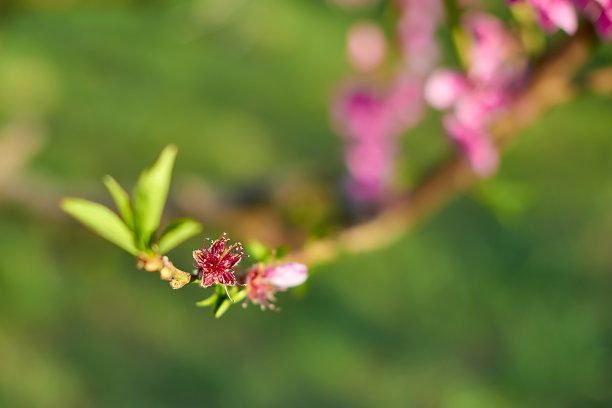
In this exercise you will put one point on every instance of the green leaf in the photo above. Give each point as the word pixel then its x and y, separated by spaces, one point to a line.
pixel 101 220
pixel 239 296
pixel 177 232
pixel 150 193
pixel 121 198
pixel 208 301
pixel 219 298
pixel 222 308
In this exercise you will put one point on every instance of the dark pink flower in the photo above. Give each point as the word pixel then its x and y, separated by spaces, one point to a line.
pixel 216 263
pixel 262 283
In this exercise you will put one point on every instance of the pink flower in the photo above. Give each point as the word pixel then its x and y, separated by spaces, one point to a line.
pixel 491 49
pixel 369 164
pixel 475 97
pixel 287 275
pixel 361 114
pixel 478 106
pixel 262 283
pixel 369 128
pixel 444 88
pixel 416 29
pixel 370 123
pixel 405 101
pixel 366 47
pixel 216 263
pixel 476 144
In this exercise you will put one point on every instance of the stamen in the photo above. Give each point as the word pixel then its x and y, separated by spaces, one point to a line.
pixel 228 295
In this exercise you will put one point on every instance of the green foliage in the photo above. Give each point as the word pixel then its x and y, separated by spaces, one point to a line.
pixel 122 200
pixel 141 216
pixel 149 195
pixel 101 220
pixel 219 303
pixel 177 232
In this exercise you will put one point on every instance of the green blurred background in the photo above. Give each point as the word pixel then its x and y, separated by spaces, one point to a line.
pixel 503 299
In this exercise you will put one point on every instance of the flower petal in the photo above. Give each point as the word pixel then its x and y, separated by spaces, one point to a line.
pixel 287 275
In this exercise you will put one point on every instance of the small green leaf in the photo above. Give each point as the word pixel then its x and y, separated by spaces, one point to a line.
pixel 208 301
pixel 219 298
pixel 177 232
pixel 222 308
pixel 239 295
pixel 121 198
pixel 101 220
pixel 150 193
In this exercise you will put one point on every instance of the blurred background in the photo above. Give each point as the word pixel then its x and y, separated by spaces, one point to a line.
pixel 502 299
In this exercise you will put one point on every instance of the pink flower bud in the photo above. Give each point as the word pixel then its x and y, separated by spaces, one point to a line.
pixel 287 275
pixel 262 283
pixel 444 87
pixel 366 47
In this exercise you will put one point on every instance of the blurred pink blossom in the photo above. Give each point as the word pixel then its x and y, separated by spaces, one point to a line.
pixel 491 48
pixel 600 12
pixel 366 123
pixel 419 20
pixel 366 47
pixel 444 88
pixel 494 73
pixel 555 14
pixel 371 117
pixel 370 122
pixel 263 282
pixel 405 101
pixel 475 143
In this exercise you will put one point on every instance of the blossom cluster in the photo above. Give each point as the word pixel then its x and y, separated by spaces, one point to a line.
pixel 386 93
pixel 494 72
pixel 371 111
